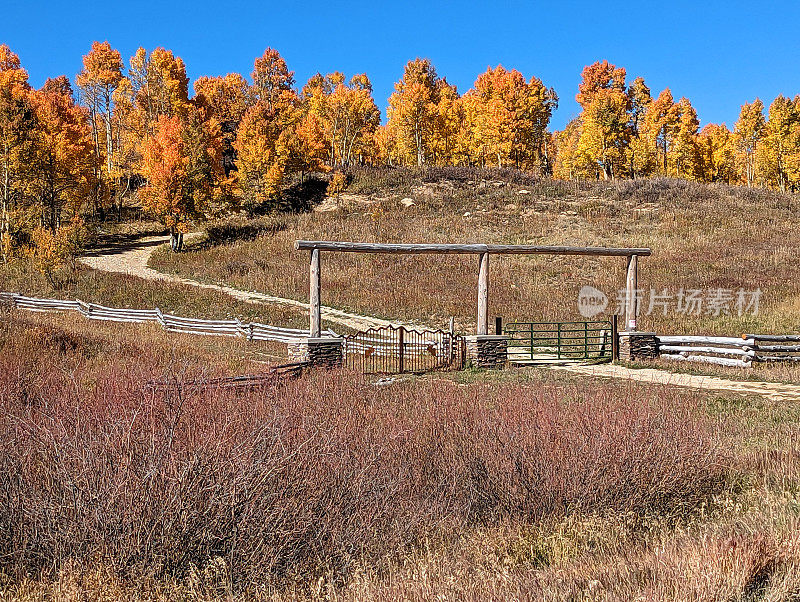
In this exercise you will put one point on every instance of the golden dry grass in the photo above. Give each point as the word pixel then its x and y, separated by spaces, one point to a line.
pixel 703 237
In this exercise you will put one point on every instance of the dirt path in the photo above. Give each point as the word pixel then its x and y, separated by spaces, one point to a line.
pixel 773 391
pixel 132 259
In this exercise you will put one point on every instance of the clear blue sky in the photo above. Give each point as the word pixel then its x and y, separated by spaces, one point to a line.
pixel 718 54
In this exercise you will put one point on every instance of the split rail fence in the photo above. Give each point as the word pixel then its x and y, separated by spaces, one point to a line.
pixel 731 351
pixel 253 331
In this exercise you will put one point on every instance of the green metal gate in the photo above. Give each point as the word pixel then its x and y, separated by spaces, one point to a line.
pixel 556 341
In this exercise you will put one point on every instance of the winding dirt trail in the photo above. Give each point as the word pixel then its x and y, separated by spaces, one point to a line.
pixel 133 258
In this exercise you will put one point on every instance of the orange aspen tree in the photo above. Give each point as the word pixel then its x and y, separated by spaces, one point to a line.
pixel 64 164
pixel 167 194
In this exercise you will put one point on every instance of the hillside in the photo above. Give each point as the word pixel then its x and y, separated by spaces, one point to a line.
pixel 715 239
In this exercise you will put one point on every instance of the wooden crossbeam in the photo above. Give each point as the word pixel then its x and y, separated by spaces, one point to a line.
pixel 464 249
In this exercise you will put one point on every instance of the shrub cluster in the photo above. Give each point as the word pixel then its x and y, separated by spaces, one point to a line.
pixel 320 475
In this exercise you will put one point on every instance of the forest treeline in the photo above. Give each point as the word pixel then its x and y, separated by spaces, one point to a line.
pixel 76 152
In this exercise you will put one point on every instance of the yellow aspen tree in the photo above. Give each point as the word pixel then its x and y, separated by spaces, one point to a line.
pixel 684 156
pixel 748 133
pixel 717 151
pixel 660 126
pixel 779 142
pixel 605 132
pixel 412 111
pixel 16 129
pixel 640 154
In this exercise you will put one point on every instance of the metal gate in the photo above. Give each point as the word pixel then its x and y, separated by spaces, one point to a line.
pixel 398 349
pixel 556 341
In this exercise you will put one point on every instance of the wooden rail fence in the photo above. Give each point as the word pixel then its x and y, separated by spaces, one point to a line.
pixel 739 352
pixel 253 331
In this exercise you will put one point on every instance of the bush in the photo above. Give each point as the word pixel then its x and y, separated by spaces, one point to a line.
pixel 316 476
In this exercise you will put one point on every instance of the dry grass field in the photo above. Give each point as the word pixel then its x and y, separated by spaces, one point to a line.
pixel 705 237
pixel 535 485
pixel 528 484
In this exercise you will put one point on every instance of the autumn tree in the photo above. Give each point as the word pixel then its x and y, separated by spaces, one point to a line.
pixel 715 143
pixel 605 129
pixel 661 122
pixel 685 158
pixel 412 110
pixel 180 161
pixel 347 113
pixel 98 80
pixel 17 123
pixel 224 99
pixel 777 154
pixel 63 157
pixel 509 117
pixel 748 132
pixel 641 155
pixel 272 79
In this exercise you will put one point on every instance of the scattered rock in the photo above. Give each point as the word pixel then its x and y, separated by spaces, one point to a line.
pixel 407 202
pixel 523 191
pixel 510 207
pixel 467 214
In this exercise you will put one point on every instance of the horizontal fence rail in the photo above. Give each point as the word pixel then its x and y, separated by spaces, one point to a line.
pixel 229 328
pixel 739 352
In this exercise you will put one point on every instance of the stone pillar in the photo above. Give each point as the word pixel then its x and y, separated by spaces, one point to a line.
pixel 638 345
pixel 326 352
pixel 487 350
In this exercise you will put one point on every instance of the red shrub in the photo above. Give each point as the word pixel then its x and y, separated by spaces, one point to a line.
pixel 313 475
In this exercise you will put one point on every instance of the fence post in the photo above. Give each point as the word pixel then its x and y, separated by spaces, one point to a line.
pixel 586 340
pixel 558 342
pixel 452 351
pixel 498 325
pixel 483 294
pixel 401 335
pixel 314 294
pixel 631 285
pixel 530 341
pixel 614 338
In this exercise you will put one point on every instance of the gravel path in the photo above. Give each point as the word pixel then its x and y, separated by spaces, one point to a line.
pixel 132 259
pixel 773 391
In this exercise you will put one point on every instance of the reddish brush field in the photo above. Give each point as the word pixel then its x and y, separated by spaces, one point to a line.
pixel 319 479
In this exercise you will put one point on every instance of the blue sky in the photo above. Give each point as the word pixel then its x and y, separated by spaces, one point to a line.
pixel 718 54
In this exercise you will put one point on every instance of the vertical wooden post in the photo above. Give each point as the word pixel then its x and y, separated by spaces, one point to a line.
pixel 631 300
pixel 498 325
pixel 452 351
pixel 401 334
pixel 483 294
pixel 614 338
pixel 314 305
